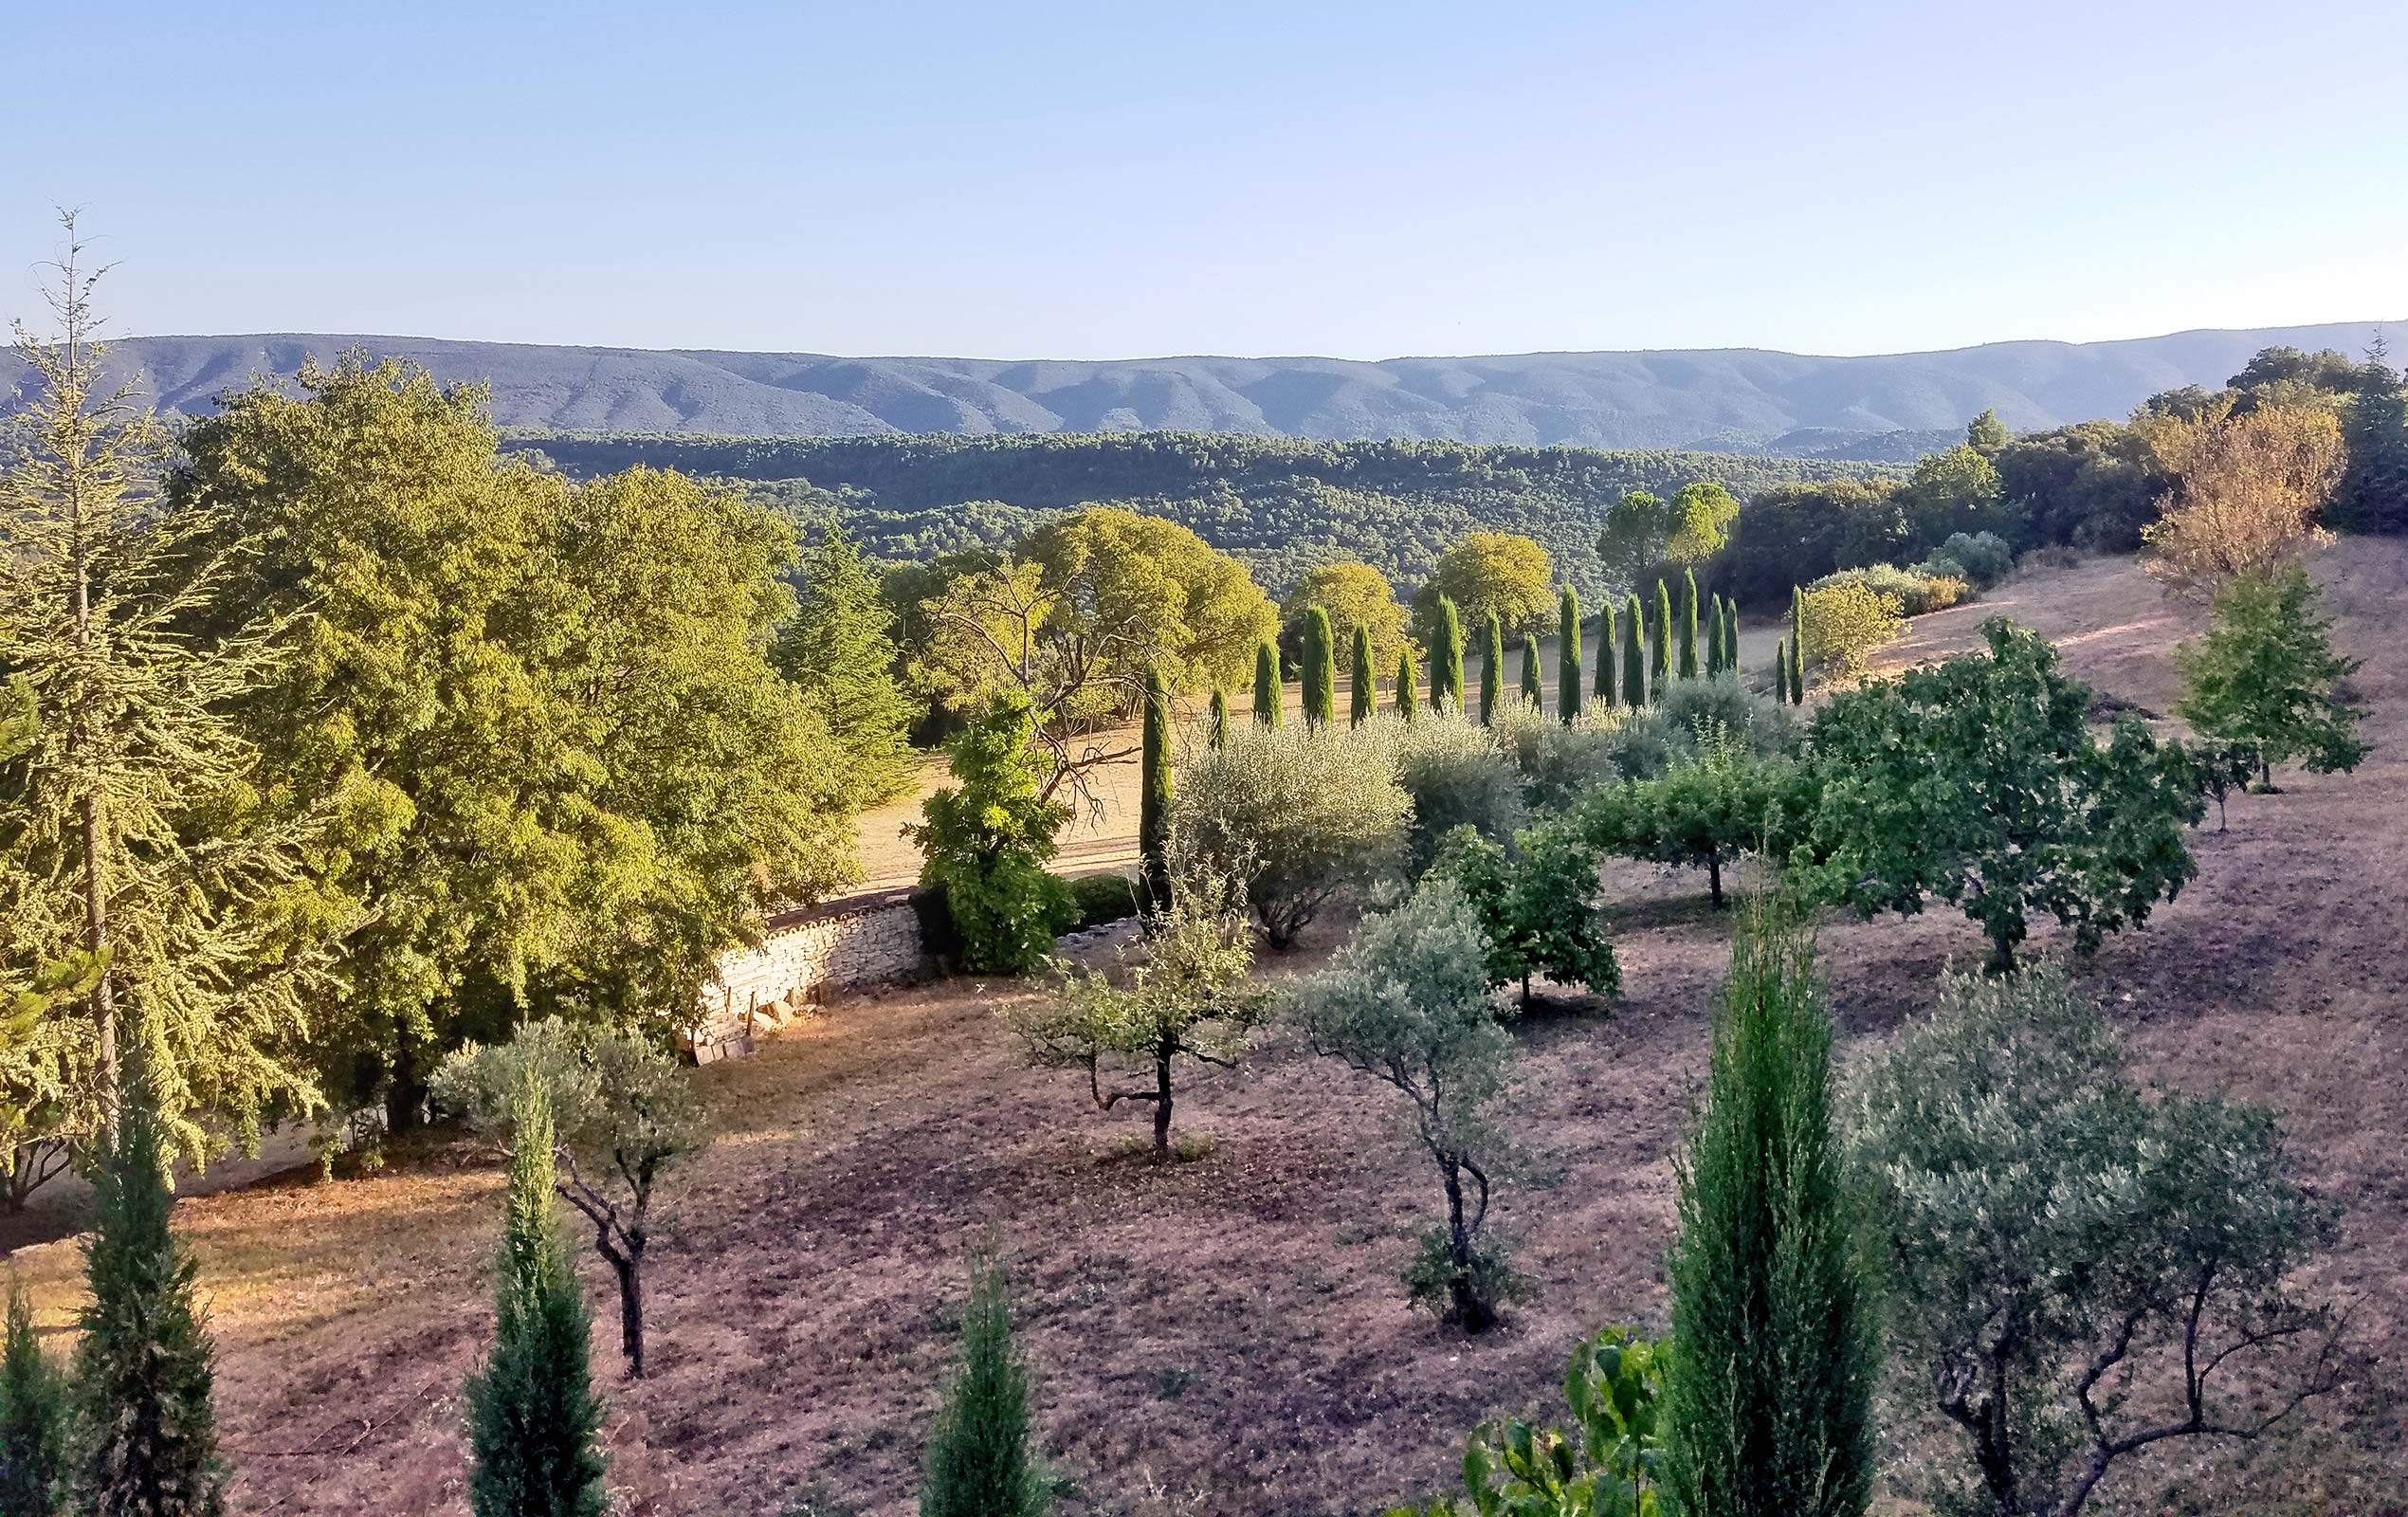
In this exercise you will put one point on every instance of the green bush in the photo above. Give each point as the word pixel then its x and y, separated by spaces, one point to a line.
pixel 982 1460
pixel 1435 1282
pixel 1984 557
pixel 985 841
pixel 1097 899
pixel 1456 774
pixel 1559 763
pixel 1298 815
pixel 1605 1465
pixel 1917 594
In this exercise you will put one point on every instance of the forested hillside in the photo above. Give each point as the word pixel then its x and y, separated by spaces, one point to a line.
pixel 1281 504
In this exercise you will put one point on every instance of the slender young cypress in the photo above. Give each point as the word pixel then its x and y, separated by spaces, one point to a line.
pixel 1717 658
pixel 1797 674
pixel 1154 796
pixel 1567 654
pixel 1780 671
pixel 1688 624
pixel 1321 669
pixel 1659 663
pixel 1634 654
pixel 1266 685
pixel 143 1370
pixel 1405 699
pixel 1363 692
pixel 1491 670
pixel 982 1460
pixel 1773 1322
pixel 33 1420
pixel 1446 659
pixel 1216 720
pixel 1730 634
pixel 1796 636
pixel 534 1421
pixel 1533 682
pixel 1601 694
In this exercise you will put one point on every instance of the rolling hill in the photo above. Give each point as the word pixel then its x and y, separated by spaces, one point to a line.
pixel 1728 400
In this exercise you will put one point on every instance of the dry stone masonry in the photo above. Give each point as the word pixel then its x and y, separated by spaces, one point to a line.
pixel 806 956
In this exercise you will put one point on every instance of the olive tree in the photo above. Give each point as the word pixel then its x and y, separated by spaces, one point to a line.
pixel 1296 815
pixel 1407 1002
pixel 623 1113
pixel 2078 1268
pixel 1184 992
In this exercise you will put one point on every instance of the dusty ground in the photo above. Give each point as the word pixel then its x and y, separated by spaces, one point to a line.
pixel 1227 1335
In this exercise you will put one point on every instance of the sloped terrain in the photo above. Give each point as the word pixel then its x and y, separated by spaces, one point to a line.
pixel 1227 1335
pixel 1735 399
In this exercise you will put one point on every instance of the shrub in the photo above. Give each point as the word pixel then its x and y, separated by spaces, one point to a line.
pixel 1097 899
pixel 2076 1267
pixel 1434 1277
pixel 1456 775
pixel 982 1460
pixel 1297 815
pixel 1559 763
pixel 1707 810
pixel 1604 1467
pixel 2049 556
pixel 1986 557
pixel 1916 592
pixel 985 841
pixel 1844 621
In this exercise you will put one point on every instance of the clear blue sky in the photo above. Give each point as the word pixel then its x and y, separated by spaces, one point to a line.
pixel 1074 180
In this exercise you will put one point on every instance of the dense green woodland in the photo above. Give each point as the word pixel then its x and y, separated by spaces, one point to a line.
pixel 1281 505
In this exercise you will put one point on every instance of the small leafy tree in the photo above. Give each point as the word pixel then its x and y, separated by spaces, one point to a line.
pixel 985 841
pixel 1492 670
pixel 1363 692
pixel 2077 1267
pixel 2222 768
pixel 1296 817
pixel 1706 810
pixel 1567 673
pixel 1844 621
pixel 1542 909
pixel 1979 781
pixel 1266 700
pixel 1407 1002
pixel 622 1114
pixel 34 1467
pixel 1770 1413
pixel 982 1460
pixel 2248 488
pixel 534 1421
pixel 1320 669
pixel 1608 1465
pixel 1187 992
pixel 2264 676
pixel 144 1376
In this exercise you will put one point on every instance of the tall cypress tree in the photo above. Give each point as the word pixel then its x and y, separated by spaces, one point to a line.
pixel 1634 654
pixel 1601 694
pixel 1533 682
pixel 33 1420
pixel 1730 634
pixel 1780 671
pixel 982 1460
pixel 1405 699
pixel 1153 795
pixel 1714 634
pixel 1659 663
pixel 1217 718
pixel 1567 668
pixel 1772 1323
pixel 1688 624
pixel 143 1367
pixel 533 1416
pixel 1321 669
pixel 1797 673
pixel 1266 685
pixel 1491 670
pixel 1446 659
pixel 1362 693
pixel 1796 639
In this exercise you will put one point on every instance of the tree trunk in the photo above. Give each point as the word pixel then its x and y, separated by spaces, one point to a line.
pixel 1714 875
pixel 1525 990
pixel 405 1094
pixel 1470 1311
pixel 1163 1104
pixel 629 1268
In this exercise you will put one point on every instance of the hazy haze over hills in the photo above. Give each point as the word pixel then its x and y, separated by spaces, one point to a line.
pixel 1731 399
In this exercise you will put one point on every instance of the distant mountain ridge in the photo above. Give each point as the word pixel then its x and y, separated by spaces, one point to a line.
pixel 1728 400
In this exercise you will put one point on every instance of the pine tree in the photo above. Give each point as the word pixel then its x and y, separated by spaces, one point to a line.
pixel 1446 659
pixel 2372 493
pixel 1688 625
pixel 1633 655
pixel 1772 1321
pixel 533 1416
pixel 1713 635
pixel 1217 718
pixel 1321 669
pixel 33 1420
pixel 1405 699
pixel 1362 695
pixel 1601 694
pixel 1266 685
pixel 1491 670
pixel 982 1460
pixel 143 1366
pixel 838 649
pixel 1659 663
pixel 1154 796
pixel 1567 671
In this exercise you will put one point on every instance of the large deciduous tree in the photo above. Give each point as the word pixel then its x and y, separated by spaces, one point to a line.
pixel 1487 572
pixel 838 649
pixel 1353 594
pixel 1978 780
pixel 2248 491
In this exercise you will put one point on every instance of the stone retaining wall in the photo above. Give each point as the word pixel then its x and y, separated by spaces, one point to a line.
pixel 807 955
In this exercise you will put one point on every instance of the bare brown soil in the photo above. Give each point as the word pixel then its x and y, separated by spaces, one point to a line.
pixel 1227 1335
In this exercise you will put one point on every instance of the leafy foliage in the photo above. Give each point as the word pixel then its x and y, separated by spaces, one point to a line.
pixel 1979 781
pixel 1844 623
pixel 1541 909
pixel 838 649
pixel 1606 1466
pixel 1354 595
pixel 1485 573
pixel 1707 810
pixel 987 839
pixel 2263 678
pixel 2077 1267
pixel 35 1420
pixel 1928 587
pixel 2248 488
pixel 1456 774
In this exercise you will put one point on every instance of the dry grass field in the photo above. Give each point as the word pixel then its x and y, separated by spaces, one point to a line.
pixel 1227 1335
